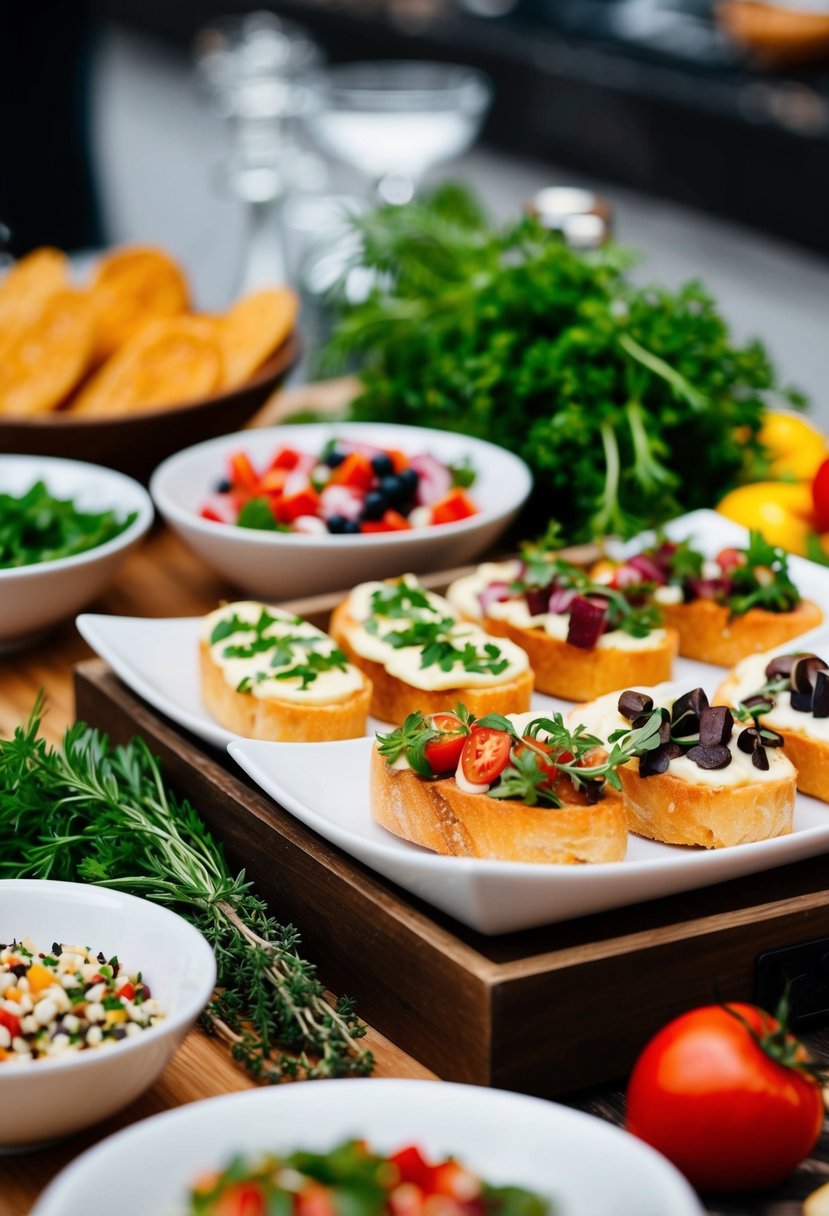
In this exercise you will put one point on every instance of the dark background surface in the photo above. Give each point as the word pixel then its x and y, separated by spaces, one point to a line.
pixel 654 97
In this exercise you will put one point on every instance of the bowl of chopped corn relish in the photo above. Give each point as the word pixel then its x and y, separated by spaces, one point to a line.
pixel 97 989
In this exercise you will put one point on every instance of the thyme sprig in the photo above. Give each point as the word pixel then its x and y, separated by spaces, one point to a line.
pixel 86 810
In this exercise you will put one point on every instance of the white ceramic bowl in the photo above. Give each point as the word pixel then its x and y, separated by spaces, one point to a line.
pixel 279 565
pixel 36 597
pixel 581 1164
pixel 46 1099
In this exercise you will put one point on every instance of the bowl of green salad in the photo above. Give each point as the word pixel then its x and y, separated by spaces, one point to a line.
pixel 65 528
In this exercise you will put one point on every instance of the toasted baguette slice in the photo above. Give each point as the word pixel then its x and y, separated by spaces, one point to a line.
pixel 667 808
pixel 278 720
pixel 440 816
pixel 809 755
pixel 566 671
pixel 709 634
pixel 393 700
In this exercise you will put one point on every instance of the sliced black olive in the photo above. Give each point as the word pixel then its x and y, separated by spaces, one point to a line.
pixel 758 701
pixel 804 670
pixel 759 759
pixel 749 739
pixel 695 700
pixel 654 762
pixel 820 696
pixel 802 702
pixel 715 725
pixel 780 666
pixel 710 757
pixel 594 790
pixel 632 704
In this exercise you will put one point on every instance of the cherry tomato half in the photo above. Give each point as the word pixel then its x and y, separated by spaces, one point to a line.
pixel 715 1103
pixel 443 754
pixel 485 755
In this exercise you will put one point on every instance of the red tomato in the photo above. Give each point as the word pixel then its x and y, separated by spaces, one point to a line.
pixel 391 521
pixel 11 1021
pixel 315 1199
pixel 729 559
pixel 546 766
pixel 705 1094
pixel 273 482
pixel 291 506
pixel 355 471
pixel 411 1164
pixel 241 1199
pixel 485 755
pixel 820 497
pixel 444 753
pixel 126 991
pixel 286 458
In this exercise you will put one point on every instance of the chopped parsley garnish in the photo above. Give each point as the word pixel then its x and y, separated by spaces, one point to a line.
pixel 297 653
pixel 432 633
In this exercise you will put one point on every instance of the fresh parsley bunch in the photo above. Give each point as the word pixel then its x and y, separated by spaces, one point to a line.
pixel 629 403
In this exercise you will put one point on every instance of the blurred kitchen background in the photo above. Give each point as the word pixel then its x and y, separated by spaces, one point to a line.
pixel 705 123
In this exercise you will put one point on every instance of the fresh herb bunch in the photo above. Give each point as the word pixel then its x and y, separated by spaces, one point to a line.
pixel 88 811
pixel 629 403
pixel 37 527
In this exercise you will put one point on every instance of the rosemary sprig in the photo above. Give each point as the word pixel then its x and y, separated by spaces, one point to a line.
pixel 85 810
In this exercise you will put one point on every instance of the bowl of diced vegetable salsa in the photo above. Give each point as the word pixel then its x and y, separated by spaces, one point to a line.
pixel 97 989
pixel 295 510
pixel 65 528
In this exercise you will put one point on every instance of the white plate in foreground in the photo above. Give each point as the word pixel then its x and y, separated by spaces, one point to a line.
pixel 548 1148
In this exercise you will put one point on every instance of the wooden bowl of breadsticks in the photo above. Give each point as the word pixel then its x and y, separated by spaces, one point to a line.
pixel 118 370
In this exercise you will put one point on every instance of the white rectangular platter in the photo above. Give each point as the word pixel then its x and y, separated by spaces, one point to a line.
pixel 325 785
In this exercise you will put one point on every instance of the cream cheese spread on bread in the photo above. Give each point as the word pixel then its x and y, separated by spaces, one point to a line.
pixel 271 653
pixel 464 596
pixel 750 675
pixel 601 717
pixel 416 636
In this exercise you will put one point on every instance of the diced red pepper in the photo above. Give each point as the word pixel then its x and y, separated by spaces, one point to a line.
pixel 220 509
pixel 241 1199
pixel 286 458
pixel 291 506
pixel 355 470
pixel 453 506
pixel 126 991
pixel 413 1167
pixel 400 460
pixel 272 482
pixel 241 471
pixel 315 1200
pixel 391 521
pixel 11 1021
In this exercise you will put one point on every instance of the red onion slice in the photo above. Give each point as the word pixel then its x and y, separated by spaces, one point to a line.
pixel 648 568
pixel 709 588
pixel 340 500
pixel 561 599
pixel 435 480
pixel 494 593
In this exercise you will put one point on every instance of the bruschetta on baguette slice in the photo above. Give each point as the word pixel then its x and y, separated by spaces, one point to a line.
pixel 267 674
pixel 517 788
pixel 419 656
pixel 708 783
pixel 786 696
pixel 582 639
pixel 741 602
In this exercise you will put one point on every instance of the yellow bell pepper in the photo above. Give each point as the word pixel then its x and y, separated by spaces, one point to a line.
pixel 39 978
pixel 781 510
pixel 795 446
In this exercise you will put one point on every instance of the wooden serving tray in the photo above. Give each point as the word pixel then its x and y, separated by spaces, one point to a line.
pixel 546 1011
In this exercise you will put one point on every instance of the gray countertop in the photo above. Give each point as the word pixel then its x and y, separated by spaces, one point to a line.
pixel 157 146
